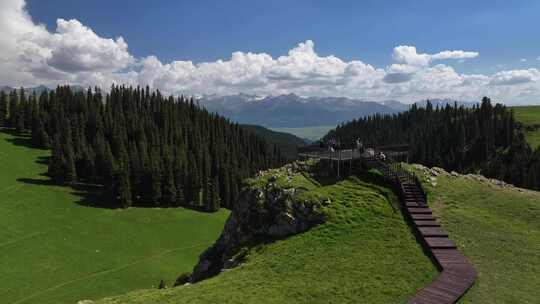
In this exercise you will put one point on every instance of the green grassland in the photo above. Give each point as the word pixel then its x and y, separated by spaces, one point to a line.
pixel 363 253
pixel 499 230
pixel 529 116
pixel 54 249
pixel 311 133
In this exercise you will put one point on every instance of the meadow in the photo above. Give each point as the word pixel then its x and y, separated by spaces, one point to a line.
pixel 57 248
pixel 498 228
pixel 363 253
pixel 529 116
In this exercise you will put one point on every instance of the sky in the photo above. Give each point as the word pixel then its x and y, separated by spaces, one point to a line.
pixel 372 50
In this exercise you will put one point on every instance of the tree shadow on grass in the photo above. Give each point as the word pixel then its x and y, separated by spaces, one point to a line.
pixel 90 195
pixel 23 140
pixel 43 160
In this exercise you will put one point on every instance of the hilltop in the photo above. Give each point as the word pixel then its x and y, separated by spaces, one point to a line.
pixel 362 247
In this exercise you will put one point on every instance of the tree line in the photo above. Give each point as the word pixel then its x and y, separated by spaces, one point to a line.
pixel 144 148
pixel 484 139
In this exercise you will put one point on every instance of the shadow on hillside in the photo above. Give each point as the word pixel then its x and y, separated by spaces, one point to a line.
pixel 24 139
pixel 35 181
pixel 90 195
pixel 43 160
pixel 21 141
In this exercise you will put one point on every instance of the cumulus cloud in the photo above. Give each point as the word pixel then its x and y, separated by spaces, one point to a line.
pixel 408 55
pixel 397 77
pixel 515 77
pixel 76 48
pixel 74 53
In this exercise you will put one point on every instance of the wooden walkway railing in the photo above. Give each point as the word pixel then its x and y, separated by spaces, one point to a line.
pixel 457 274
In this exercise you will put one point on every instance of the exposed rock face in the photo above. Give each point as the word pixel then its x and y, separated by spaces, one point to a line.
pixel 431 174
pixel 264 212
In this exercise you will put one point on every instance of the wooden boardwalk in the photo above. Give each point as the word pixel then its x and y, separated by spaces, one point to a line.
pixel 457 274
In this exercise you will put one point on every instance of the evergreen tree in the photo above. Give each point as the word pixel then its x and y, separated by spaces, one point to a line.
pixel 143 147
pixel 3 108
pixel 169 189
pixel 13 109
pixel 122 189
pixel 482 138
pixel 215 200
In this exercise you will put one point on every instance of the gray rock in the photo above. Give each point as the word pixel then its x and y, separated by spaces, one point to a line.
pixel 270 212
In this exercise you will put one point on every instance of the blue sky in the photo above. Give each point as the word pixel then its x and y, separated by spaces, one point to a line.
pixel 370 50
pixel 502 31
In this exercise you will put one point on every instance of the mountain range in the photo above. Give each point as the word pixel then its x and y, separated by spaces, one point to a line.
pixel 293 111
pixel 38 89
pixel 290 110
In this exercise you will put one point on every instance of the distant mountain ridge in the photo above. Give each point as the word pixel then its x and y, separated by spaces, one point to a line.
pixel 289 110
pixel 286 142
pixel 38 89
pixel 293 111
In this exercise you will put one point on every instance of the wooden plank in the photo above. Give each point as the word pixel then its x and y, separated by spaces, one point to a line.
pixel 432 231
pixel 423 223
pixel 419 210
pixel 439 242
pixel 416 204
pixel 422 217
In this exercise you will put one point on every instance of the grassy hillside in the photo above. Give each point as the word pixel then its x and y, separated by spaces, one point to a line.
pixel 53 249
pixel 364 253
pixel 311 133
pixel 499 230
pixel 286 142
pixel 529 116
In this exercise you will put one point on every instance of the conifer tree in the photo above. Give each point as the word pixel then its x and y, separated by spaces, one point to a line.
pixel 3 108
pixel 13 109
pixel 169 189
pixel 122 189
pixel 166 151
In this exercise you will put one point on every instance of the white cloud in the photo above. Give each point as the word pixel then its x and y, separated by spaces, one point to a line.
pixel 408 55
pixel 410 61
pixel 74 53
pixel 76 48
pixel 515 77
pixel 523 60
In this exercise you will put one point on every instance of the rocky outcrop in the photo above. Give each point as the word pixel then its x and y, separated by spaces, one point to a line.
pixel 431 174
pixel 263 212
